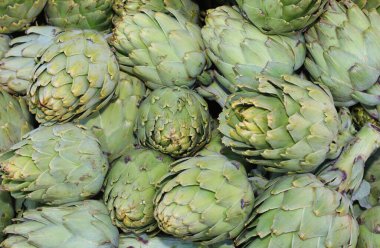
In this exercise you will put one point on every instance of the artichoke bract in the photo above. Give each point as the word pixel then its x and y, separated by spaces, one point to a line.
pixel 369 227
pixel 285 125
pixel 80 14
pixel 299 211
pixel 160 49
pixel 17 68
pixel 144 241
pixel 188 8
pixel 54 165
pixel 81 224
pixel 15 120
pixel 344 53
pixel 114 124
pixel 174 121
pixel 130 187
pixel 6 212
pixel 4 44
pixel 204 199
pixel 282 16
pixel 368 4
pixel 238 49
pixel 76 76
pixel 16 15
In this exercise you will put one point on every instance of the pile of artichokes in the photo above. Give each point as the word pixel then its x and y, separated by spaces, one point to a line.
pixel 189 123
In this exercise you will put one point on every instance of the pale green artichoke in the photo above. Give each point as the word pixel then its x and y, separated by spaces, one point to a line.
pixel 76 76
pixel 188 8
pixel 205 199
pixel 299 211
pixel 114 124
pixel 4 44
pixel 369 227
pixel 81 225
pixel 282 16
pixel 160 49
pixel 285 125
pixel 174 121
pixel 15 120
pixel 54 165
pixel 239 50
pixel 344 53
pixel 17 68
pixel 16 15
pixel 80 14
pixel 368 4
pixel 144 241
pixel 6 212
pixel 130 187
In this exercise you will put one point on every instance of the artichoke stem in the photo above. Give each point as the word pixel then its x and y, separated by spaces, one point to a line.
pixel 346 174
pixel 214 92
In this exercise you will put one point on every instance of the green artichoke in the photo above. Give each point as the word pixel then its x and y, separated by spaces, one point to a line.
pixel 282 16
pixel 6 212
pixel 54 165
pixel 368 4
pixel 205 199
pixel 144 241
pixel 17 68
pixel 75 76
pixel 130 187
pixel 4 44
pixel 299 211
pixel 174 121
pixel 160 49
pixel 372 175
pixel 369 227
pixel 344 53
pixel 114 124
pixel 80 14
pixel 285 125
pixel 238 49
pixel 188 8
pixel 16 15
pixel 15 120
pixel 82 224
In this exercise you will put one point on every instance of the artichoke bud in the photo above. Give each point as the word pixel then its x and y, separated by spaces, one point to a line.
pixel 130 187
pixel 369 226
pixel 54 165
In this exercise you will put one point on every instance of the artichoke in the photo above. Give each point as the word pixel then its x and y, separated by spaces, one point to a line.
pixel 17 68
pixel 15 120
pixel 160 49
pixel 130 187
pixel 188 8
pixel 282 16
pixel 6 212
pixel 369 227
pixel 114 124
pixel 372 175
pixel 82 224
pixel 81 14
pixel 54 165
pixel 368 4
pixel 4 44
pixel 174 121
pixel 238 49
pixel 285 125
pixel 75 77
pixel 299 211
pixel 344 53
pixel 205 199
pixel 16 15
pixel 144 241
